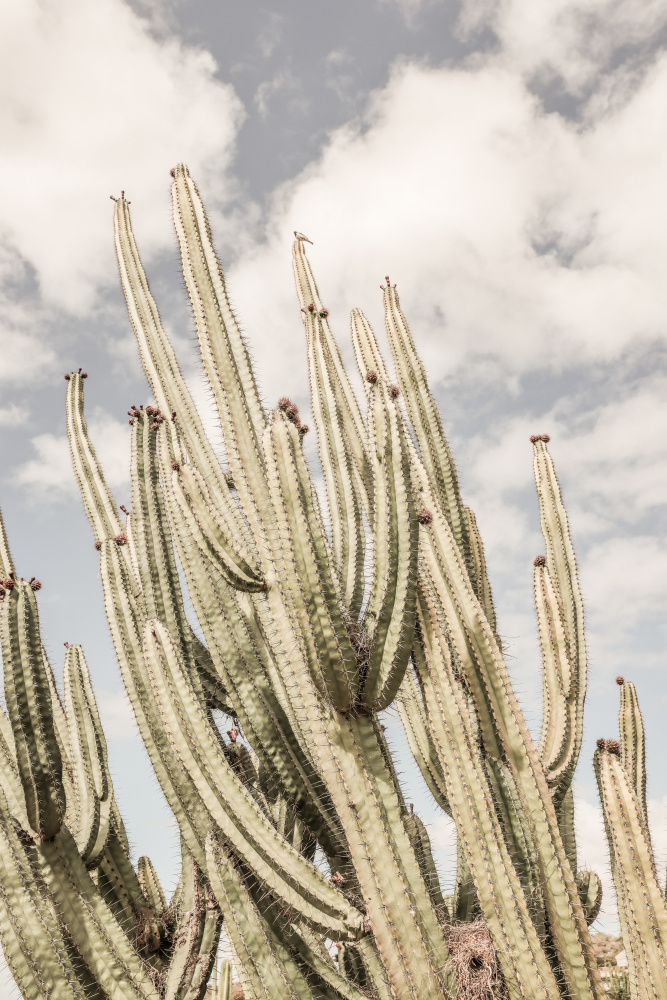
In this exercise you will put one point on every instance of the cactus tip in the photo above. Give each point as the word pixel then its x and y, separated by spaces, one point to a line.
pixel 613 746
pixel 540 561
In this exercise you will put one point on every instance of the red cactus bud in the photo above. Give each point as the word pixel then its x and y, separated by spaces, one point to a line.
pixel 425 516
pixel 601 744
pixel 120 539
pixel 36 584
pixel 613 746
pixel 98 546
pixel 9 583
pixel 173 414
pixel 131 422
pixel 412 808
pixel 394 391
pixel 292 412
pixel 535 437
pixel 67 378
pixel 371 377
pixel 546 438
pixel 386 278
pixel 172 172
pixel 304 428
pixel 283 403
pixel 176 466
pixel 84 374
pixel 233 735
pixel 540 561
pixel 324 313
pixel 124 509
pixel 66 645
pixel 155 426
pixel 620 680
pixel 150 411
pixel 311 308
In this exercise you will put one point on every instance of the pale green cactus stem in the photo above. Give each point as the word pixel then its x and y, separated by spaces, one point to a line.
pixel 641 905
pixel 88 755
pixel 342 437
pixel 633 752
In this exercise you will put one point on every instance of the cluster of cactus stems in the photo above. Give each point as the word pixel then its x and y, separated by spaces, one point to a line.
pixel 294 828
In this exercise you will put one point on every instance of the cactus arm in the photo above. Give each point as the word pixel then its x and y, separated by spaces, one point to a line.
pixel 210 535
pixel 237 646
pixel 590 893
pixel 412 712
pixel 505 735
pixel 126 635
pixel 117 882
pixel 150 884
pixel 566 827
pixel 159 361
pixel 88 751
pixel 6 564
pixel 32 937
pixel 557 747
pixel 390 617
pixel 421 844
pixel 329 653
pixel 94 931
pixel 98 501
pixel 10 779
pixel 425 419
pixel 224 353
pixel 641 905
pixel 321 973
pixel 479 576
pixel 501 897
pixel 196 936
pixel 28 699
pixel 366 350
pixel 562 566
pixel 341 438
pixel 266 962
pixel 633 754
pixel 297 882
pixel 336 375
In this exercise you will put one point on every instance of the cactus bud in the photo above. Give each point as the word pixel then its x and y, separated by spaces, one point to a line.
pixel 620 680
pixel 601 744
pixel 98 546
pixel 371 377
pixel 233 735
pixel 425 516
pixel 35 584
pixel 172 172
pixel 292 412
pixel 9 584
pixel 176 466
pixel 124 509
pixel 324 313
pixel 540 561
pixel 311 308
pixel 155 426
pixel 394 391
pixel 613 746
pixel 283 403
pixel 303 429
pixel 173 414
pixel 120 539
pixel 67 378
pixel 84 374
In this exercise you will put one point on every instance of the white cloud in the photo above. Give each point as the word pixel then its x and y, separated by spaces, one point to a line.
pixel 12 415
pixel 92 102
pixel 50 474
pixel 117 716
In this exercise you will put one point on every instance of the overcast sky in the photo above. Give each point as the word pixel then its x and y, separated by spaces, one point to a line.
pixel 503 161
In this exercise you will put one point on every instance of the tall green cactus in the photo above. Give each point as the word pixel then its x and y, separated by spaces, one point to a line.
pixel 297 820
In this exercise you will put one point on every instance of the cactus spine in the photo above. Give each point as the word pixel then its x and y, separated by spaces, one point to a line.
pixel 295 828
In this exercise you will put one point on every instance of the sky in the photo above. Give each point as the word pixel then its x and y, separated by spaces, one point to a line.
pixel 503 161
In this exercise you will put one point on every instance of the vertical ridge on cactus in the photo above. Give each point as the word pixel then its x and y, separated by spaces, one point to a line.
pixel 295 830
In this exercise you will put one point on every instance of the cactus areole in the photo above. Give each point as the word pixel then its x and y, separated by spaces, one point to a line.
pixel 295 833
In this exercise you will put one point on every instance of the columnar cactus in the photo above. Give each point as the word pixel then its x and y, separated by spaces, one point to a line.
pixel 297 820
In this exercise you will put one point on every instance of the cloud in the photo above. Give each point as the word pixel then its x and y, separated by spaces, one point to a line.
pixel 117 716
pixel 94 101
pixel 49 476
pixel 12 415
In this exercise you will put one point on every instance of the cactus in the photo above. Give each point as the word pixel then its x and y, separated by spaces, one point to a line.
pixel 642 910
pixel 312 625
